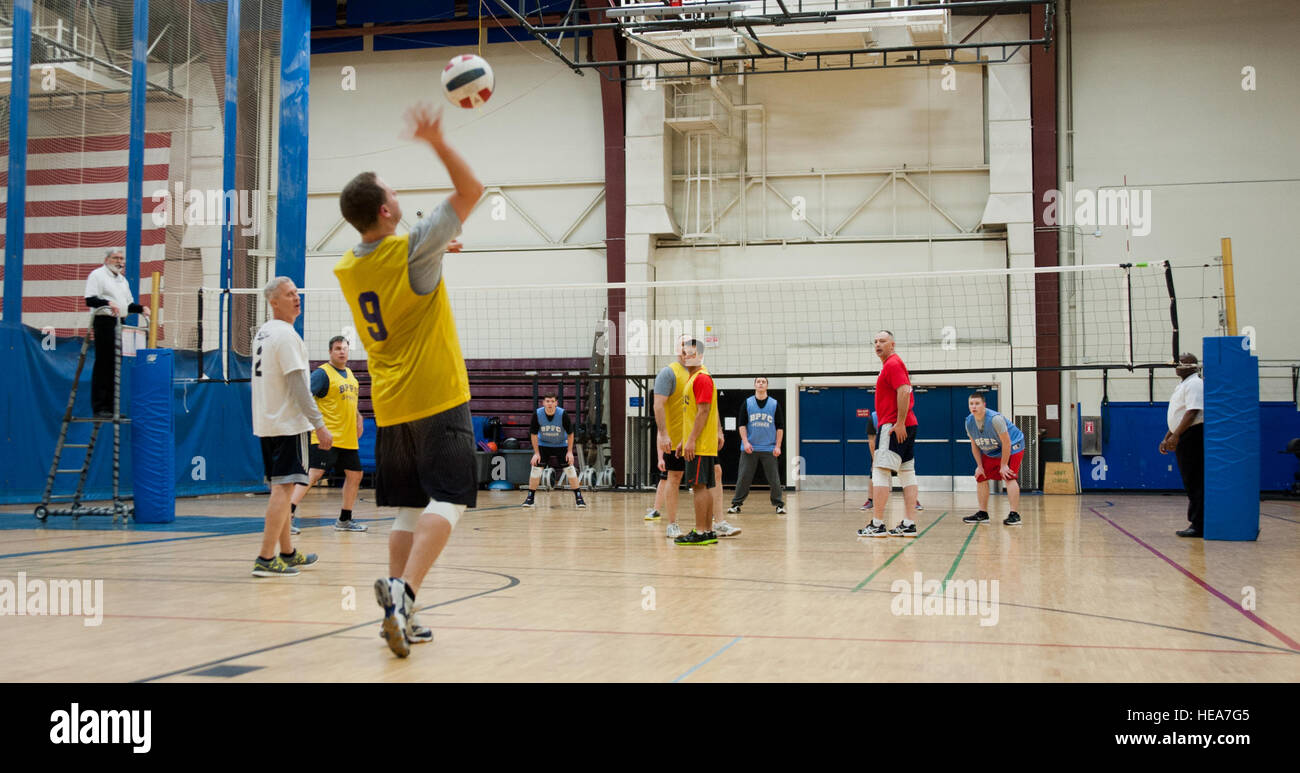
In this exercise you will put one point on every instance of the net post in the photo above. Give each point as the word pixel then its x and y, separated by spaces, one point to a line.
pixel 199 327
pixel 155 280
pixel 1229 286
pixel 1128 316
pixel 1173 307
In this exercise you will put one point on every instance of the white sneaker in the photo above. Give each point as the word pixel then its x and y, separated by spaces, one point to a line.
pixel 780 510
pixel 725 529
pixel 674 531
pixel 415 633
pixel 733 509
pixel 652 515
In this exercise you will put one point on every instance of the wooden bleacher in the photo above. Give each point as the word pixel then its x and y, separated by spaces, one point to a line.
pixel 512 394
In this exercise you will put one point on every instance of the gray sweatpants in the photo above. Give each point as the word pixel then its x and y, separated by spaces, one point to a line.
pixel 749 463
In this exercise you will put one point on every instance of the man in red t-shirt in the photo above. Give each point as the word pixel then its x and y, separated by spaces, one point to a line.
pixel 894 454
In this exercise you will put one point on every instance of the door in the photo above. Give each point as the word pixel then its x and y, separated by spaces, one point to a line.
pixel 730 404
pixel 821 438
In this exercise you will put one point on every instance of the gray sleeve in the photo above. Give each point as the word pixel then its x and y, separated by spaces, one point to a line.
pixel 429 239
pixel 300 392
pixel 999 424
pixel 665 382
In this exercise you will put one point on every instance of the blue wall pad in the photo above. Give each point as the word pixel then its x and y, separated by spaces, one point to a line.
pixel 1231 438
pixel 1133 430
pixel 215 450
pixel 152 433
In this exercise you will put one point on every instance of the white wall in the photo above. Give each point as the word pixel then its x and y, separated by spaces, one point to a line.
pixel 1158 101
pixel 538 140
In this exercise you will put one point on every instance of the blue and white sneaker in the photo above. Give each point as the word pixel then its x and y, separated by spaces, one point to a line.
pixel 391 595
pixel 415 633
pixel 874 529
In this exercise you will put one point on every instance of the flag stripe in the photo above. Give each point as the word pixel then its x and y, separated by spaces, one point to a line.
pixel 92 175
pixel 40 145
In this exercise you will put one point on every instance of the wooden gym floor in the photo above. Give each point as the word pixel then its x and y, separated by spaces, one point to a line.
pixel 1091 588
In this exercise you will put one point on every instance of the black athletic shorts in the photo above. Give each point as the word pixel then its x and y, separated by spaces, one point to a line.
pixel 555 457
pixel 338 459
pixel 426 459
pixel 886 441
pixel 699 472
pixel 284 459
pixel 673 462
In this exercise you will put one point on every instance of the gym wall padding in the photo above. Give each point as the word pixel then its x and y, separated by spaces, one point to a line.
pixel 215 450
pixel 152 431
pixel 1232 438
pixel 1132 431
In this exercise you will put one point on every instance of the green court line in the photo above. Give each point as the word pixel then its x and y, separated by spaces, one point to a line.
pixel 960 553
pixel 909 544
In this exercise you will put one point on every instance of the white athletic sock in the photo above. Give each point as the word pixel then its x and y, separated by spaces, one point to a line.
pixel 877 522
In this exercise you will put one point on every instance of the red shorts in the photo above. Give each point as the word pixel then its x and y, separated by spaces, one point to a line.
pixel 993 466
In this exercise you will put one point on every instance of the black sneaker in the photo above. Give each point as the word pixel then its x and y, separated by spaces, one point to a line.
pixel 529 501
pixel 693 538
pixel 901 530
pixel 980 517
pixel 873 529
pixel 1012 520
pixel 581 505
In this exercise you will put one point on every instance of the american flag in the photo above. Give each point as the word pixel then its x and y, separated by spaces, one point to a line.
pixel 76 208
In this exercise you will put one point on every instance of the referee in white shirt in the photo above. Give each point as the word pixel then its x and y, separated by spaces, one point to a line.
pixel 283 414
pixel 109 294
pixel 1186 438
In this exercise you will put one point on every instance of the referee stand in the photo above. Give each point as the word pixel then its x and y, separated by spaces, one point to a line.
pixel 119 507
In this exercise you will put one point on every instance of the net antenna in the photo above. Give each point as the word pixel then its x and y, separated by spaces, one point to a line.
pixel 710 38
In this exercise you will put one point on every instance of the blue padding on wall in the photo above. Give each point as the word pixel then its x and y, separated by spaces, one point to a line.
pixel 324 13
pixel 152 436
pixel 215 450
pixel 1133 431
pixel 366 445
pixel 336 45
pixel 396 11
pixel 1231 438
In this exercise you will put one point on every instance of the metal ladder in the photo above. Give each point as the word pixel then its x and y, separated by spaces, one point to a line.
pixel 119 508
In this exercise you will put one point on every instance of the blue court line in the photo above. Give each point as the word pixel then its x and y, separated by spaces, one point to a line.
pixel 228 527
pixel 697 666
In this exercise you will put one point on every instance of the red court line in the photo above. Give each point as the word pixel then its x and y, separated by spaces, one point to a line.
pixel 1254 618
pixel 732 636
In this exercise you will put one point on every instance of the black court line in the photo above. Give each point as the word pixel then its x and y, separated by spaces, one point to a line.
pixel 1280 518
pixel 1112 618
pixel 513 581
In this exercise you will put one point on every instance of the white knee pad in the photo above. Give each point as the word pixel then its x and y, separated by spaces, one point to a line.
pixel 880 477
pixel 570 471
pixel 447 510
pixel 407 518
pixel 535 473
pixel 907 473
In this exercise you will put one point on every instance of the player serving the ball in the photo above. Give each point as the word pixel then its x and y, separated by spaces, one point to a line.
pixel 998 446
pixel 424 447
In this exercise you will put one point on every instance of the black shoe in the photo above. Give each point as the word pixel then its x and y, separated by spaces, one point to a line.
pixel 529 501
pixel 1012 520
pixel 694 538
pixel 1190 531
pixel 904 530
pixel 980 517
pixel 581 504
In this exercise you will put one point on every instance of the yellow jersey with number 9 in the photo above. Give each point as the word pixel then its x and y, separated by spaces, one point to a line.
pixel 416 367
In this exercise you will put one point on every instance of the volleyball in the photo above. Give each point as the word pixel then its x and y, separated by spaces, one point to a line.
pixel 467 81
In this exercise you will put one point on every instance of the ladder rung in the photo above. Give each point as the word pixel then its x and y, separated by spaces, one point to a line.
pixel 102 421
pixel 76 445
pixel 77 470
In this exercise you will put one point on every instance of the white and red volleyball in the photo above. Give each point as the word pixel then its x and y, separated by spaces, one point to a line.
pixel 467 80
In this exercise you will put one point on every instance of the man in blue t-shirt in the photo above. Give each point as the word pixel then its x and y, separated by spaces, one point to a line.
pixel 762 427
pixel 551 433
